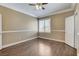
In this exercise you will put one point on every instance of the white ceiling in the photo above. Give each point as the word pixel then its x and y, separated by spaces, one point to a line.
pixel 50 8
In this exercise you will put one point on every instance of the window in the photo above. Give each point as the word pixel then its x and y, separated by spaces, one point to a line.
pixel 44 25
pixel 41 26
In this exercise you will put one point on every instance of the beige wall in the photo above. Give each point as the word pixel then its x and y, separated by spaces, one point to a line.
pixel 14 21
pixel 57 27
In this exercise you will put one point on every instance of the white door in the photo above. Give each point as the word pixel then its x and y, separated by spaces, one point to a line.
pixel 69 31
pixel 77 31
pixel 0 31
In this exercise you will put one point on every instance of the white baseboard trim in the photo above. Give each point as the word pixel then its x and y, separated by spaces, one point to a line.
pixel 52 39
pixel 8 45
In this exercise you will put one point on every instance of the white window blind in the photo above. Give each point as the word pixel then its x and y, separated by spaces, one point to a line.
pixel 44 25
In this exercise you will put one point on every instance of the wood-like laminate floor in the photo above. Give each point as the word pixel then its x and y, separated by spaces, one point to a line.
pixel 39 47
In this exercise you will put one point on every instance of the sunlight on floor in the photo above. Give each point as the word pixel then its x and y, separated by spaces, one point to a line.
pixel 44 49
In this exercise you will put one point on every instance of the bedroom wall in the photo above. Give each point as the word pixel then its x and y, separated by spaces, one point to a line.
pixel 57 27
pixel 17 26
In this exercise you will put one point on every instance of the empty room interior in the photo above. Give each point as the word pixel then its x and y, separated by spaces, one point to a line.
pixel 39 29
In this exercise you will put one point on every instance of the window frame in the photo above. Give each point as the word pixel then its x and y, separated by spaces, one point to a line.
pixel 45 26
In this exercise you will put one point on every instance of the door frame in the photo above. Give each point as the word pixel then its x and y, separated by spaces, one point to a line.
pixel 0 31
pixel 73 42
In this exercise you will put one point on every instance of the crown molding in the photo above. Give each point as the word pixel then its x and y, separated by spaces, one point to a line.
pixel 57 12
pixel 6 6
pixel 62 11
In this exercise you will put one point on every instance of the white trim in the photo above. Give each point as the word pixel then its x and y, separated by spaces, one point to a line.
pixel 59 30
pixel 61 11
pixel 0 31
pixel 10 7
pixel 57 12
pixel 0 41
pixel 16 31
pixel 51 39
pixel 54 31
pixel 8 45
